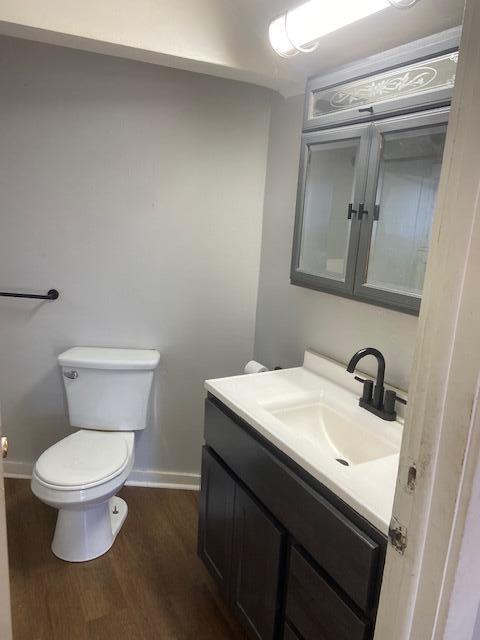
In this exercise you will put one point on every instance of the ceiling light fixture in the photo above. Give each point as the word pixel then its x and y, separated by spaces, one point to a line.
pixel 402 4
pixel 300 29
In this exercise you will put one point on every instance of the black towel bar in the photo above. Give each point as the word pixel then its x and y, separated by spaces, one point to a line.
pixel 51 295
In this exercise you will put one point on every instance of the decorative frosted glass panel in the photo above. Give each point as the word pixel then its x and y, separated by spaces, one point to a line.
pixel 329 188
pixel 405 201
pixel 416 79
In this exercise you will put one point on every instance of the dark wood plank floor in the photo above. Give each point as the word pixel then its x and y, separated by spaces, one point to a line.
pixel 150 585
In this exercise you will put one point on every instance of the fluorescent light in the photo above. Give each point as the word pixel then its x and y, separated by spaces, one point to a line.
pixel 299 29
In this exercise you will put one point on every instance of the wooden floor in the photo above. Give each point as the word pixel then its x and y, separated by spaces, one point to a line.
pixel 150 585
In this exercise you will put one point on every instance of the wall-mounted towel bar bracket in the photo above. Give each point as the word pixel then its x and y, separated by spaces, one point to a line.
pixel 51 295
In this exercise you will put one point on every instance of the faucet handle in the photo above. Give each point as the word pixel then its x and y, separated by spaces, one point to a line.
pixel 390 399
pixel 367 388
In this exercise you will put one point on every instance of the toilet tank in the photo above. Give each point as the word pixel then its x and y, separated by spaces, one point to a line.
pixel 108 389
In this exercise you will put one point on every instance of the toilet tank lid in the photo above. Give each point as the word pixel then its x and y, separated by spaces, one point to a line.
pixel 107 358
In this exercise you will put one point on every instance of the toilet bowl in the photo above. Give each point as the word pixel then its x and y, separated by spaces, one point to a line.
pixel 81 474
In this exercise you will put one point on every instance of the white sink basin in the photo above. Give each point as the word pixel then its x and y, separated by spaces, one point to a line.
pixel 349 444
pixel 311 413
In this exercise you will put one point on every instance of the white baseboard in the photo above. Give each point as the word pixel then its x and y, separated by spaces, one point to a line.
pixel 21 470
pixel 138 478
pixel 164 479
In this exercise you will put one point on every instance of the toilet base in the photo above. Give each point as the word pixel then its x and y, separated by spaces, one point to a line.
pixel 82 535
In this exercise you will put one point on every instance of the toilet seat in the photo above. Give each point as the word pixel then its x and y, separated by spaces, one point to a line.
pixel 85 459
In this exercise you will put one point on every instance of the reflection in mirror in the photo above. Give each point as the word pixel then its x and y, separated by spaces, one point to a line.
pixel 408 179
pixel 329 187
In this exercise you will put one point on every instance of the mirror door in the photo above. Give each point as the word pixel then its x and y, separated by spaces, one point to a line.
pixel 404 171
pixel 332 182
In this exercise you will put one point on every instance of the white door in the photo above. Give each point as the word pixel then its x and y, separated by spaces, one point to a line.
pixel 441 443
pixel 5 616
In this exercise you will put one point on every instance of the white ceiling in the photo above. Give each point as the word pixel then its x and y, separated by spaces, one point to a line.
pixel 226 38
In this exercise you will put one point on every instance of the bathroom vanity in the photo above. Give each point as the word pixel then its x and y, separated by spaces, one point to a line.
pixel 294 510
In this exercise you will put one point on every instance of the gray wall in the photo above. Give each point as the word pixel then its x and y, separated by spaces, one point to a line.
pixel 137 191
pixel 291 318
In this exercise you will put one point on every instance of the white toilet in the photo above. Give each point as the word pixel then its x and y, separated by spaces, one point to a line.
pixel 107 395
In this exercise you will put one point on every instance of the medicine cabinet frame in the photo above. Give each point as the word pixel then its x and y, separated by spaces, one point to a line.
pixel 364 128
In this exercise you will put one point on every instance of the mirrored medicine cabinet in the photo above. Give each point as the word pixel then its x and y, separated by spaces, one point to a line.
pixel 371 155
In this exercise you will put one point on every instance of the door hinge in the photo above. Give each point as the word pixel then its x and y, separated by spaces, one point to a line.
pixel 397 535
pixel 412 478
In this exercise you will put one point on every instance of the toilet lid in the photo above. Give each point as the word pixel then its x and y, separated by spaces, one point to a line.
pixel 85 458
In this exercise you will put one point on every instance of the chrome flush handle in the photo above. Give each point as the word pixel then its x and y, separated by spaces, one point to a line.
pixel 73 375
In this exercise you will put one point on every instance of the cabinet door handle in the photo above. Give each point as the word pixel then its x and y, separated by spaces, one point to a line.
pixel 362 211
pixel 351 210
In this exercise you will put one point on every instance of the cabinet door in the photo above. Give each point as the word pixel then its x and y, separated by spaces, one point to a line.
pixel 404 171
pixel 331 190
pixel 257 556
pixel 216 519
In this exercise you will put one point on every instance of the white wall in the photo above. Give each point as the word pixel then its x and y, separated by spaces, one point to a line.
pixel 291 318
pixel 137 191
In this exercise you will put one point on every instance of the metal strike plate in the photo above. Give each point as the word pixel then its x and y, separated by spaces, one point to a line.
pixel 397 536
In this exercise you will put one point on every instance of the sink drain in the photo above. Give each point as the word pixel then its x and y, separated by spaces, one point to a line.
pixel 342 461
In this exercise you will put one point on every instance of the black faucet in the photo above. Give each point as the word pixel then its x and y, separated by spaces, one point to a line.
pixel 374 398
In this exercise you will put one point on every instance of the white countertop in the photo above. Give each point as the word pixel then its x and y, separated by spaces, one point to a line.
pixel 368 487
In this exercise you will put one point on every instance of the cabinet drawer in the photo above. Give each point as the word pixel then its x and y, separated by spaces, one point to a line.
pixel 350 556
pixel 315 609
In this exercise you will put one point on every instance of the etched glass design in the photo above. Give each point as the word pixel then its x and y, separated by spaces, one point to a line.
pixel 416 79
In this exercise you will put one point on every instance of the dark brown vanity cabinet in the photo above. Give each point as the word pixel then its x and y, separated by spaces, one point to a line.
pixel 293 560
